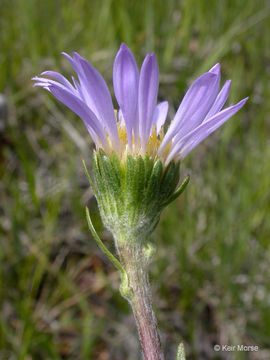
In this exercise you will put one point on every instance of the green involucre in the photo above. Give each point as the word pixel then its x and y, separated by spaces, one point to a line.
pixel 132 194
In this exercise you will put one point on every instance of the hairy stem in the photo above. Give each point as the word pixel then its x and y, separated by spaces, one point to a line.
pixel 135 263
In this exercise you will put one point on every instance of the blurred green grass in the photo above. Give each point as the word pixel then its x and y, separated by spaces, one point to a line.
pixel 210 277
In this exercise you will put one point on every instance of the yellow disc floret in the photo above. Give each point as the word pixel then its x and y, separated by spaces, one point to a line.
pixel 135 149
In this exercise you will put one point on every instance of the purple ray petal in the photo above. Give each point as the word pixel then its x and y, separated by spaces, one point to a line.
pixel 199 116
pixel 99 94
pixel 194 106
pixel 58 77
pixel 86 90
pixel 192 139
pixel 82 85
pixel 125 82
pixel 44 86
pixel 220 100
pixel 148 89
pixel 160 115
pixel 78 89
pixel 71 61
pixel 45 83
pixel 216 70
pixel 81 109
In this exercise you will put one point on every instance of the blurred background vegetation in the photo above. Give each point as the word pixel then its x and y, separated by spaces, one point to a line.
pixel 210 276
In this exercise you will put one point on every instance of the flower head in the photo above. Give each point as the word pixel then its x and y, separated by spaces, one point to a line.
pixel 138 126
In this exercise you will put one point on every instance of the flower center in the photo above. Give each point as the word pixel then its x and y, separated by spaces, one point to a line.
pixel 152 146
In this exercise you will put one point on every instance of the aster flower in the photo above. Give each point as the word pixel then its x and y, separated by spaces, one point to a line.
pixel 136 163
pixel 138 126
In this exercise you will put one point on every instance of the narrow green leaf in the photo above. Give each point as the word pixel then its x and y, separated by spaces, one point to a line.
pixel 91 182
pixel 125 289
pixel 100 244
